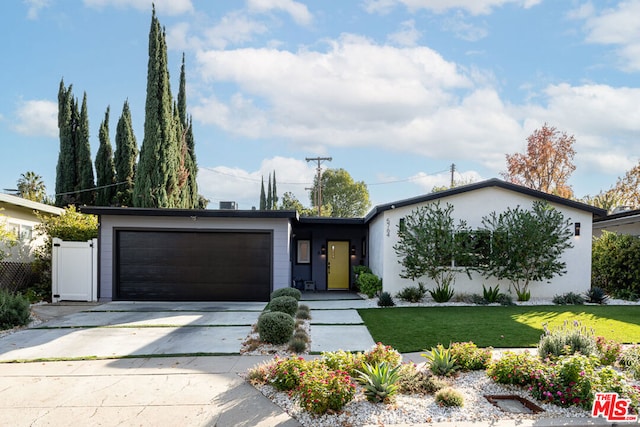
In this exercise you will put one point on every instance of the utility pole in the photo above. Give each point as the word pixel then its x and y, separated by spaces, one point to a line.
pixel 453 170
pixel 319 160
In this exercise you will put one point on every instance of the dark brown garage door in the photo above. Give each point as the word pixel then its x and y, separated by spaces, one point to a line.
pixel 166 265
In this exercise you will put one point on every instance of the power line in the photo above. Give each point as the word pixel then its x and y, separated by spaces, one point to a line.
pixel 90 189
pixel 319 160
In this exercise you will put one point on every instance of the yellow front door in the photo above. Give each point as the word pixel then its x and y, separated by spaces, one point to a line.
pixel 338 265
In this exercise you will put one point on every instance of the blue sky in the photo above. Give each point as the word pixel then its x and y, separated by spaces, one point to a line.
pixel 395 91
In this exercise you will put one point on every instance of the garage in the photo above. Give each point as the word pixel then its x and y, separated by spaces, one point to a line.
pixel 192 265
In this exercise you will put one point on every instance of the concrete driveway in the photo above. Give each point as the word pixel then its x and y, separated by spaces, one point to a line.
pixel 120 329
pixel 142 329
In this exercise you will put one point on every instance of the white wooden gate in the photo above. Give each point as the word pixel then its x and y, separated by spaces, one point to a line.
pixel 74 271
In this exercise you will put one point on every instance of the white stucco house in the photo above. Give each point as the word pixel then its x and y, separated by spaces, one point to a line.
pixel 209 255
pixel 471 203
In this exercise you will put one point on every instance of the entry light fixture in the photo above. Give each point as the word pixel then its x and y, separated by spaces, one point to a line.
pixel 576 228
pixel 353 250
pixel 323 250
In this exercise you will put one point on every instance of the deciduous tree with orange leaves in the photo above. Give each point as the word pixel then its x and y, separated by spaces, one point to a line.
pixel 547 164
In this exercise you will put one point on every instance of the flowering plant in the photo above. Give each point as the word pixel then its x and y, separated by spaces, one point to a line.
pixel 322 389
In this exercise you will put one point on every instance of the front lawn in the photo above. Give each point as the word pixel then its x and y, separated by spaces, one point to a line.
pixel 410 329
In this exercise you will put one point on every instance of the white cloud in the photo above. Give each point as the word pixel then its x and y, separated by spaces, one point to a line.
pixel 298 11
pixel 617 26
pixel 408 35
pixel 358 94
pixel 458 25
pixel 474 7
pixel 221 183
pixel 234 28
pixel 170 7
pixel 37 118
pixel 35 6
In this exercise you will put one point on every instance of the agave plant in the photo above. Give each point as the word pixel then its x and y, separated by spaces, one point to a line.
pixel 441 361
pixel 379 381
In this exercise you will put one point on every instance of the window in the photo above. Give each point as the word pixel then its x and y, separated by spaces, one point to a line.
pixel 476 247
pixel 26 232
pixel 304 252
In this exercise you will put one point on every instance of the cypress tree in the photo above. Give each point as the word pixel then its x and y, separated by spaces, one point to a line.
pixel 275 192
pixel 190 197
pixel 85 180
pixel 263 198
pixel 269 195
pixel 156 181
pixel 66 168
pixel 105 168
pixel 126 156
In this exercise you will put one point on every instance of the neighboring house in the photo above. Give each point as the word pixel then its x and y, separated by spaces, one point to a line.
pixel 20 216
pixel 214 255
pixel 623 222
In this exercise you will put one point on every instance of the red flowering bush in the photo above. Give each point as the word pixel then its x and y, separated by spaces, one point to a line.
pixel 566 383
pixel 284 374
pixel 322 389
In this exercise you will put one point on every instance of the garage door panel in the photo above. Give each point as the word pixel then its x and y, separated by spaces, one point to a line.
pixel 193 266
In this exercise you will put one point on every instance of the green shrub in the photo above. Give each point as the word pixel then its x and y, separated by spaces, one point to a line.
pixel 369 284
pixel 469 357
pixel 630 361
pixel 359 269
pixel 625 294
pixel 570 298
pixel 286 292
pixel 412 293
pixel 297 345
pixel 303 312
pixel 379 382
pixel 284 304
pixel 490 295
pixel 442 293
pixel 596 295
pixel 385 300
pixel 615 265
pixel 515 368
pixel 301 334
pixel 504 299
pixel 322 389
pixel 567 339
pixel 449 397
pixel 380 353
pixel 415 381
pixel 440 361
pixel 14 310
pixel 275 327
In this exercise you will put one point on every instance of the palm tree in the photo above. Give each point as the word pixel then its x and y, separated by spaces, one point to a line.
pixel 31 187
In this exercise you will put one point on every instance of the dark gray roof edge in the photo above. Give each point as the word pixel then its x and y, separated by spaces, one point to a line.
pixel 618 215
pixel 493 182
pixel 203 213
pixel 330 220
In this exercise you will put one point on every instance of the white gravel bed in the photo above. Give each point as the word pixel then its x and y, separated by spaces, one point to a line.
pixel 427 301
pixel 411 409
